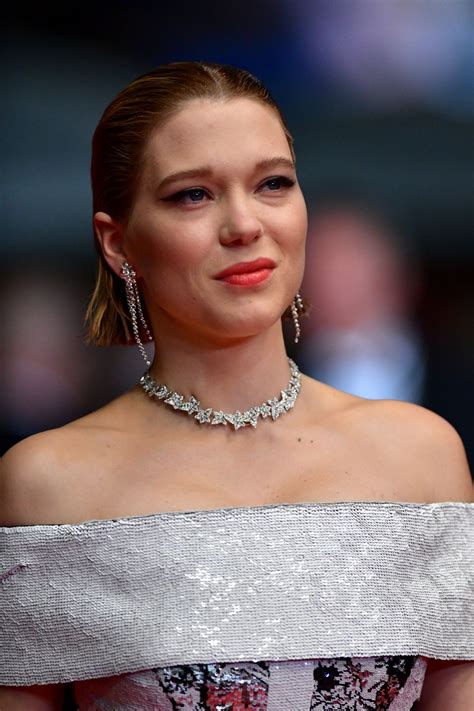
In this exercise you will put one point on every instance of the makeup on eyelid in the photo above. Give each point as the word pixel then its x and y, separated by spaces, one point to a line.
pixel 207 171
pixel 180 195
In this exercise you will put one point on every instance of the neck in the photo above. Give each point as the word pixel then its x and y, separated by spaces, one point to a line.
pixel 230 377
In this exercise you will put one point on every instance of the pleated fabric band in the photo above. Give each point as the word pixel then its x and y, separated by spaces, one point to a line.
pixel 273 582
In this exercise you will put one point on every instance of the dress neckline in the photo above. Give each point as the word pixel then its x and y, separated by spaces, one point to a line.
pixel 242 510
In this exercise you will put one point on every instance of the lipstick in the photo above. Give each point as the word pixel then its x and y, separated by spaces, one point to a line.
pixel 247 273
pixel 249 278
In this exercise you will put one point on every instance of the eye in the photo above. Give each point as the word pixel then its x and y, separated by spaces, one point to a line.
pixel 194 194
pixel 279 181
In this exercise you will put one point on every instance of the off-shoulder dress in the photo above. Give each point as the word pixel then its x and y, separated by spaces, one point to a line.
pixel 281 607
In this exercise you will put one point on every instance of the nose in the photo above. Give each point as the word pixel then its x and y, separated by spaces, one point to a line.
pixel 240 224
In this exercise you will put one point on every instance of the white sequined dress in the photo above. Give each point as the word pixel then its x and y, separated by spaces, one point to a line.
pixel 283 607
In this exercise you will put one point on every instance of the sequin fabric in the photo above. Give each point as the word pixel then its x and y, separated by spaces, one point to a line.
pixel 379 683
pixel 285 582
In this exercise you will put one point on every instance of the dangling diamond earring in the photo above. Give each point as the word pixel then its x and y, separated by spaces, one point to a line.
pixel 134 305
pixel 296 305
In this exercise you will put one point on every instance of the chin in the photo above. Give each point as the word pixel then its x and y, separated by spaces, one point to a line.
pixel 246 327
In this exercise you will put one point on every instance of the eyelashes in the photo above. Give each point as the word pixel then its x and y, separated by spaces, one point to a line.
pixel 192 193
pixel 195 194
pixel 286 182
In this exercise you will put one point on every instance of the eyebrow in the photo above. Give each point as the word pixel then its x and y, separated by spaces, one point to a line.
pixel 207 171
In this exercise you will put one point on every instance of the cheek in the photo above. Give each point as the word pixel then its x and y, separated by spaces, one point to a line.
pixel 297 226
pixel 170 249
pixel 297 238
pixel 302 213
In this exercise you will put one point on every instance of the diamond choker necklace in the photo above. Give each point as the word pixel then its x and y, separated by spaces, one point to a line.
pixel 271 408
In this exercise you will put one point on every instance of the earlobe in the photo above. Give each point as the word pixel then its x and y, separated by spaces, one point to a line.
pixel 110 235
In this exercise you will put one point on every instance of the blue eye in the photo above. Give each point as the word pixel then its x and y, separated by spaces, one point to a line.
pixel 280 181
pixel 196 195
pixel 192 193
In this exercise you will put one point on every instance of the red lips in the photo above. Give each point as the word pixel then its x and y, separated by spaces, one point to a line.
pixel 246 267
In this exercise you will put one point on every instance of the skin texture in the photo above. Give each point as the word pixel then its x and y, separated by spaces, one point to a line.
pixel 225 345
pixel 449 688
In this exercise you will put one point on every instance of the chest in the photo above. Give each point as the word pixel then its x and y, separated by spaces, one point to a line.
pixel 313 465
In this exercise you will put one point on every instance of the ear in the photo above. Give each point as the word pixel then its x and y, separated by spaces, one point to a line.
pixel 110 235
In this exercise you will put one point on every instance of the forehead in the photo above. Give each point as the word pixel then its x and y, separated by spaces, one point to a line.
pixel 206 131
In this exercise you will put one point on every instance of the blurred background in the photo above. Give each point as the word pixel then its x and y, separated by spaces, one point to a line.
pixel 379 97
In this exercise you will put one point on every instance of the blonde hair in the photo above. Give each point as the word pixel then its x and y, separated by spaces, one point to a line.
pixel 117 159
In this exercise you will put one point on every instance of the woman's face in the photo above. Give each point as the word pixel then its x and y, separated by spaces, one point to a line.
pixel 236 200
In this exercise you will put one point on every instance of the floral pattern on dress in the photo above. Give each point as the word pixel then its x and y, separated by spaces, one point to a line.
pixel 216 687
pixel 361 683
pixel 383 683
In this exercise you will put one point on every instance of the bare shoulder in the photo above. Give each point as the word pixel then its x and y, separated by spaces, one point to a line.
pixel 40 474
pixel 398 442
pixel 422 444
pixel 27 474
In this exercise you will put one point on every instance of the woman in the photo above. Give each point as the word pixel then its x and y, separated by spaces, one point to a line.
pixel 229 534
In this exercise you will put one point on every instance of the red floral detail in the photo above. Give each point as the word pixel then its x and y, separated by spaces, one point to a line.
pixel 242 699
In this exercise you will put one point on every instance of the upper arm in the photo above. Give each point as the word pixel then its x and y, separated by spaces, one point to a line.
pixel 45 697
pixel 436 452
pixel 26 476
pixel 427 448
pixel 28 472
pixel 448 687
pixel 444 458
